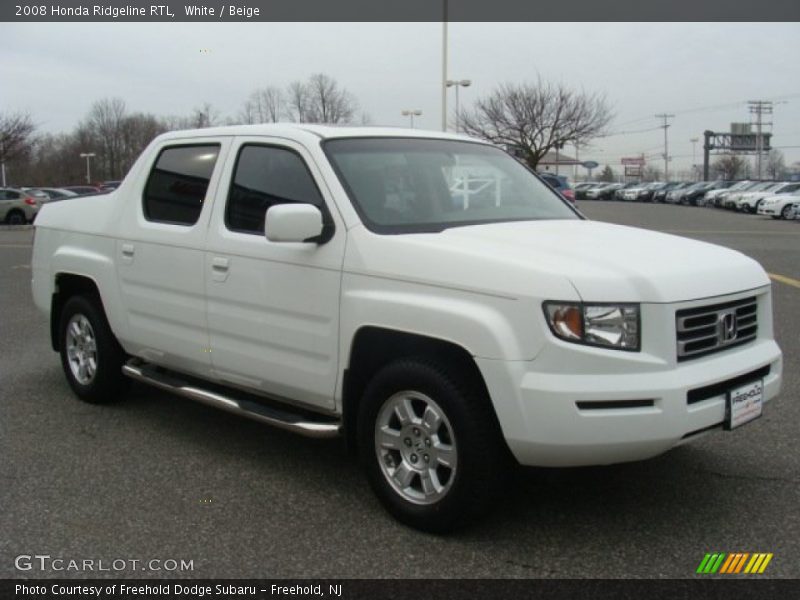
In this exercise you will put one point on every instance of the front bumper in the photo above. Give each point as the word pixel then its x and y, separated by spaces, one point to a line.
pixel 546 411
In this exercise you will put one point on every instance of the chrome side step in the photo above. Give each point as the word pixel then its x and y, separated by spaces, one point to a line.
pixel 135 369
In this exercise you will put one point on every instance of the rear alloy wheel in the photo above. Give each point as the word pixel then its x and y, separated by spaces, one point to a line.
pixel 430 445
pixel 90 354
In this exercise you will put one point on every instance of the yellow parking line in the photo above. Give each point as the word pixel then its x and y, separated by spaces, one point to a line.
pixel 729 232
pixel 784 279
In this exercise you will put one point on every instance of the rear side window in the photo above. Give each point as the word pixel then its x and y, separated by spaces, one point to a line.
pixel 266 176
pixel 178 184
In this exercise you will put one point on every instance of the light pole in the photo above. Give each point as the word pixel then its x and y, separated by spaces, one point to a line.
pixel 458 83
pixel 88 156
pixel 411 114
pixel 694 156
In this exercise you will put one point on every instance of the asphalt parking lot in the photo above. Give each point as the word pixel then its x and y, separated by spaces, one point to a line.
pixel 159 477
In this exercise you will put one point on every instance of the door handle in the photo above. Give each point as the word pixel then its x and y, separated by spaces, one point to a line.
pixel 127 250
pixel 220 264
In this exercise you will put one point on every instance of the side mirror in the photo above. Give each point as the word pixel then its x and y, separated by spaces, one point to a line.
pixel 293 223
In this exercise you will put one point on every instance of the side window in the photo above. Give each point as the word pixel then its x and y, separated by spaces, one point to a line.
pixel 266 176
pixel 178 183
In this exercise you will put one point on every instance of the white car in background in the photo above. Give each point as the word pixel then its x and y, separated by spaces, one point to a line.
pixel 732 200
pixel 781 206
pixel 751 202
pixel 716 198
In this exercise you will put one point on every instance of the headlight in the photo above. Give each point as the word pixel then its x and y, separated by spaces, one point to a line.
pixel 605 325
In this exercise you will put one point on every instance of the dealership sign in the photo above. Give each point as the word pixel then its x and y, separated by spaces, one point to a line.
pixel 633 161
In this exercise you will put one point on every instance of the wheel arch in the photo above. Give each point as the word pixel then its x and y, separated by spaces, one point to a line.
pixel 67 285
pixel 374 347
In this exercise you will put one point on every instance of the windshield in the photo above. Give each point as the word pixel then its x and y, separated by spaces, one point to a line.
pixel 403 185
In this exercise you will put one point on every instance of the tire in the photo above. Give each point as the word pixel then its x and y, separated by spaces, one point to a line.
pixel 429 415
pixel 91 357
pixel 785 212
pixel 16 217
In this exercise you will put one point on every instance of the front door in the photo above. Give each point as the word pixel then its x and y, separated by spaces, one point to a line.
pixel 273 308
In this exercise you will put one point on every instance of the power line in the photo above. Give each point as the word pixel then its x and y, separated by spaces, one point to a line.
pixel 713 107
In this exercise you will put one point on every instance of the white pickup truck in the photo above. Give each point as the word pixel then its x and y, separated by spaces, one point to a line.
pixel 424 295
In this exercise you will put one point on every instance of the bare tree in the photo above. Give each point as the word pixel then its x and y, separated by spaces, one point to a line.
pixel 652 173
pixel 204 116
pixel 15 138
pixel 138 130
pixel 776 165
pixel 266 105
pixel 327 102
pixel 297 102
pixel 101 133
pixel 532 119
pixel 729 166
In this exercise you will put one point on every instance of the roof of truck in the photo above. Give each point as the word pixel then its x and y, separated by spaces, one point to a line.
pixel 306 130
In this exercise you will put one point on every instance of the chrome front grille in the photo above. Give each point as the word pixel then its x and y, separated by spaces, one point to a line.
pixel 706 329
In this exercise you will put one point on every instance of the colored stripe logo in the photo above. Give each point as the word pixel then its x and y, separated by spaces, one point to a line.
pixel 733 563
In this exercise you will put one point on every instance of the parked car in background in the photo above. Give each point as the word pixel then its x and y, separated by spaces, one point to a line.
pixel 661 193
pixel 82 190
pixel 748 201
pixel 36 193
pixel 55 193
pixel 603 192
pixel 673 195
pixel 647 192
pixel 631 194
pixel 17 207
pixel 618 193
pixel 780 206
pixel 560 184
pixel 752 202
pixel 690 195
pixel 717 198
pixel 109 185
pixel 716 186
pixel 582 188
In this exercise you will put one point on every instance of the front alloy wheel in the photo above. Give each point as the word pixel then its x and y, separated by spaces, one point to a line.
pixel 415 447
pixel 430 444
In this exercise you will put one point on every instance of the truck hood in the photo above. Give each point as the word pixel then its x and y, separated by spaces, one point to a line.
pixel 601 261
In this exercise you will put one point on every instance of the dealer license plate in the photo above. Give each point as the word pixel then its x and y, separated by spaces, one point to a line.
pixel 744 404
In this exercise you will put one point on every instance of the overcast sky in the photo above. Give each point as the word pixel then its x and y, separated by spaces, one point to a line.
pixel 704 73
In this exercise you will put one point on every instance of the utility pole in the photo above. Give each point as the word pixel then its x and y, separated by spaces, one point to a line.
pixel 665 117
pixel 695 170
pixel 759 108
pixel 444 65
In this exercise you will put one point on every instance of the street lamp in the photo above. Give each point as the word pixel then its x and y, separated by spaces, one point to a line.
pixel 458 83
pixel 694 156
pixel 88 156
pixel 411 114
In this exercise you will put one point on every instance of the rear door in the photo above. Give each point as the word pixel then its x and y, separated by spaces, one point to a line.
pixel 273 308
pixel 160 254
